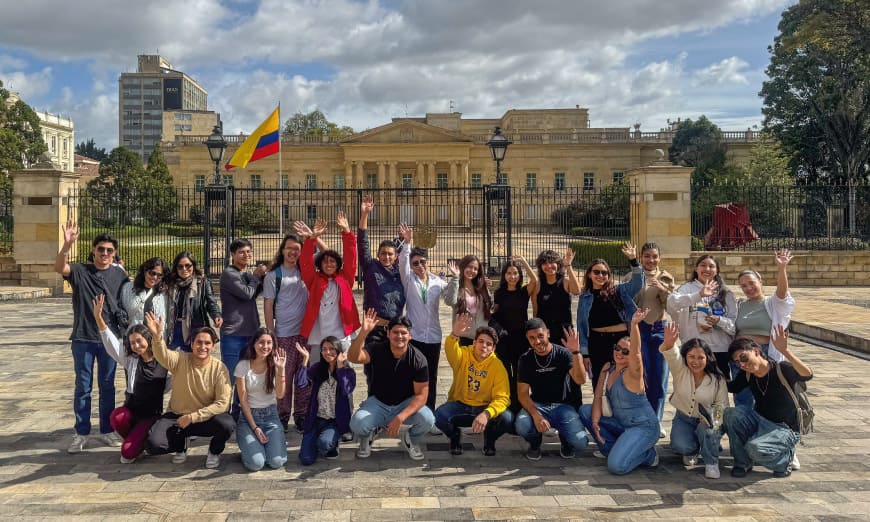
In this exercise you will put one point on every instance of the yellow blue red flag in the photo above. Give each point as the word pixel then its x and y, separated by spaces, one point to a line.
pixel 264 141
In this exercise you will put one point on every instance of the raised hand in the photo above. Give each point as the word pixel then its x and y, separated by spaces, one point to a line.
pixel 154 324
pixel 406 233
pixel 568 258
pixel 672 332
pixel 341 359
pixel 709 288
pixel 279 357
pixel 303 352
pixel 320 227
pixel 629 250
pixel 782 257
pixel 571 339
pixel 453 268
pixel 462 324
pixel 370 320
pixel 368 204
pixel 639 315
pixel 302 229
pixel 780 340
pixel 98 303
pixel 341 219
pixel 70 232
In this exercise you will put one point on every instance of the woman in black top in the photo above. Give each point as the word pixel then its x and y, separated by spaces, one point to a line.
pixel 509 316
pixel 191 299
pixel 551 300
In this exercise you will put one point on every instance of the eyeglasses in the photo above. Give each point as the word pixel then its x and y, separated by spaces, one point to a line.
pixel 244 252
pixel 419 262
pixel 187 266
pixel 620 349
pixel 105 250
pixel 155 274
pixel 597 272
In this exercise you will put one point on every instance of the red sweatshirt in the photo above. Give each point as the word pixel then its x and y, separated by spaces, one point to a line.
pixel 317 282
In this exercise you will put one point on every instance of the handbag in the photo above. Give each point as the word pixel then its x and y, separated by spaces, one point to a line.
pixel 798 393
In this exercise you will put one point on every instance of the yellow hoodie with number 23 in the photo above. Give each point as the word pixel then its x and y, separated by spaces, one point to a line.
pixel 475 383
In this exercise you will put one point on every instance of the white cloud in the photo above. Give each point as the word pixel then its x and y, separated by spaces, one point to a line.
pixel 729 70
pixel 28 85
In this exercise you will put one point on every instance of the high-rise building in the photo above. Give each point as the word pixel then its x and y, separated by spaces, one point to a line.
pixel 145 95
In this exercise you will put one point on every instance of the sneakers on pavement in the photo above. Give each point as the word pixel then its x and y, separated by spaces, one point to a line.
pixel 365 446
pixel 455 446
pixel 598 455
pixel 212 461
pixel 332 454
pixel 566 451
pixel 347 437
pixel 739 472
pixel 125 460
pixel 77 444
pixel 655 461
pixel 111 439
pixel 534 453
pixel 795 463
pixel 782 474
pixel 179 457
pixel 690 460
pixel 488 450
pixel 711 471
pixel 413 450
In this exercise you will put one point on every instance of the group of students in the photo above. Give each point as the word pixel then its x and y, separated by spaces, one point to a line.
pixel 511 373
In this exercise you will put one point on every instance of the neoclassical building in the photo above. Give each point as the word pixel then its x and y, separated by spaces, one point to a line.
pixel 551 148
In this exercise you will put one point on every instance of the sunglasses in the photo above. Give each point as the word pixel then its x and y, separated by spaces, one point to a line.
pixel 623 351
pixel 187 266
pixel 105 250
pixel 419 262
pixel 155 274
pixel 597 272
pixel 743 358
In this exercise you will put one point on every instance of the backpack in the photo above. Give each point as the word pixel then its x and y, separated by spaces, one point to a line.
pixel 278 276
pixel 802 404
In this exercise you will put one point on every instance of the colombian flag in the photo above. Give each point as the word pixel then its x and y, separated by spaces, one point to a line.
pixel 265 141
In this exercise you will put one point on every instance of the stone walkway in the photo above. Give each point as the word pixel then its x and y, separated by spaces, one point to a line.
pixel 38 479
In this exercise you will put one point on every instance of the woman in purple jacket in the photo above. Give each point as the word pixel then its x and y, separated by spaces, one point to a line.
pixel 332 382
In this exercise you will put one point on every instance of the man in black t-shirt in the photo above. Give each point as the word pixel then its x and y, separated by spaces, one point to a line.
pixel 399 387
pixel 102 277
pixel 768 434
pixel 544 378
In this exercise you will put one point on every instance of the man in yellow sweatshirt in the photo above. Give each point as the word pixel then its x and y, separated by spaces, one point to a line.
pixel 200 397
pixel 480 393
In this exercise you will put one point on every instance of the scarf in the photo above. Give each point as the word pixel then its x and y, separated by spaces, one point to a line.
pixel 188 289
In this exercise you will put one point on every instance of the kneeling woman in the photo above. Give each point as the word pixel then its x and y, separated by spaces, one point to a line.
pixel 700 397
pixel 332 381
pixel 626 434
pixel 147 381
pixel 480 394
pixel 260 383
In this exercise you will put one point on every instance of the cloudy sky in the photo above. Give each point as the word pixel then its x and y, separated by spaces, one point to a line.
pixel 364 62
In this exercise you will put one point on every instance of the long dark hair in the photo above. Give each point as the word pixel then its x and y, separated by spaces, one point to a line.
pixel 150 264
pixel 140 329
pixel 172 279
pixel 250 353
pixel 711 368
pixel 502 284
pixel 587 278
pixel 723 290
pixel 478 284
pixel 322 370
pixel 549 256
pixel 278 260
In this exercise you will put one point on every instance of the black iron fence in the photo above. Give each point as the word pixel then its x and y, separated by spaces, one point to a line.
pixel 492 222
pixel 6 221
pixel 800 217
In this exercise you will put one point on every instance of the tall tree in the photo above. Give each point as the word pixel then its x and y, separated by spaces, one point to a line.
pixel 156 191
pixel 115 192
pixel 20 135
pixel 314 124
pixel 699 144
pixel 817 100
pixel 89 149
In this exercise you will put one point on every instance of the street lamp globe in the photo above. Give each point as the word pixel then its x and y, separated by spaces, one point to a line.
pixel 498 145
pixel 216 146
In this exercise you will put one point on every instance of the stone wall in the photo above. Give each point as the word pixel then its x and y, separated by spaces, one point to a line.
pixel 808 268
pixel 10 273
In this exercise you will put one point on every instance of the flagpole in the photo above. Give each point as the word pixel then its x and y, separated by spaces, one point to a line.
pixel 280 165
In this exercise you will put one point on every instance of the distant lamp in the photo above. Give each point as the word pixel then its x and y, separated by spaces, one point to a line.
pixel 216 146
pixel 498 145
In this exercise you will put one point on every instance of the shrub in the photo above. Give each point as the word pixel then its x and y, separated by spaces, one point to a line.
pixel 587 250
pixel 256 216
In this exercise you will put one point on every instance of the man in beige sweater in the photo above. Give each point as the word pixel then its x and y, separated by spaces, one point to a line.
pixel 200 397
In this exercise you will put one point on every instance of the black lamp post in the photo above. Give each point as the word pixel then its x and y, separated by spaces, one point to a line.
pixel 498 145
pixel 216 146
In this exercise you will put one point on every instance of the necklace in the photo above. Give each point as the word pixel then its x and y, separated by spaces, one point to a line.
pixel 548 361
pixel 766 383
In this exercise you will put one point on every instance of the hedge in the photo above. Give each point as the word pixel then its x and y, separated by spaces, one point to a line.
pixel 137 254
pixel 610 251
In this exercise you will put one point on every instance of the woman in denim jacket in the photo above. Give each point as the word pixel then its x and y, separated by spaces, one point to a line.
pixel 605 310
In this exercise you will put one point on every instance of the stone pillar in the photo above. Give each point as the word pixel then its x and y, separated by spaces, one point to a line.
pixel 349 174
pixel 360 173
pixel 40 205
pixel 421 174
pixel 382 171
pixel 661 211
pixel 392 171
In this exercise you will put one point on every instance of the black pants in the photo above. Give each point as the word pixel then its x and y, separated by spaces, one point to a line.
pixel 510 347
pixel 432 352
pixel 167 436
pixel 601 351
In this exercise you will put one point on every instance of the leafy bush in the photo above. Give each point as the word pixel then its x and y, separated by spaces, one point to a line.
pixel 604 213
pixel 191 230
pixel 587 250
pixel 256 216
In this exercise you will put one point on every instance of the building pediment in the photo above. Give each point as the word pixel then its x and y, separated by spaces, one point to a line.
pixel 406 131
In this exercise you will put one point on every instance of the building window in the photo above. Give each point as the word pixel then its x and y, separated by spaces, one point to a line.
pixel 371 181
pixel 53 143
pixel 311 212
pixel 228 180
pixel 475 180
pixel 256 182
pixel 441 181
pixel 618 177
pixel 407 181
pixel 531 181
pixel 588 181
pixel 559 181
pixel 284 181
pixel 311 182
pixel 339 181
pixel 199 182
pixel 502 179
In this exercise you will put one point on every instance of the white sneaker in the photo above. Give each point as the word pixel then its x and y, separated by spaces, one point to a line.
pixel 598 455
pixel 212 461
pixel 434 430
pixel 655 461
pixel 111 439
pixel 552 432
pixel 711 471
pixel 179 458
pixel 690 460
pixel 77 444
pixel 662 433
pixel 365 446
pixel 125 460
pixel 795 463
pixel 413 450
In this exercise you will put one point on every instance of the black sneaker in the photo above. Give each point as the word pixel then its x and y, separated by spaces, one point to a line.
pixel 566 451
pixel 489 451
pixel 782 474
pixel 332 454
pixel 299 422
pixel 285 423
pixel 534 453
pixel 455 446
pixel 738 472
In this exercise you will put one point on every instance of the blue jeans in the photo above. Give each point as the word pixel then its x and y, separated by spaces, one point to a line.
pixel 319 441
pixel 451 416
pixel 255 454
pixel 689 436
pixel 756 440
pixel 231 348
pixel 177 341
pixel 373 414
pixel 84 354
pixel 562 417
pixel 625 448
pixel 655 368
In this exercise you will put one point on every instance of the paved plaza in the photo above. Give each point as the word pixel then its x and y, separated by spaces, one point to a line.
pixel 39 479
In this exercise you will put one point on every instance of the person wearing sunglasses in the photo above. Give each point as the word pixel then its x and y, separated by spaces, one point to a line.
pixel 147 293
pixel 766 435
pixel 423 294
pixel 192 301
pixel 605 309
pixel 628 432
pixel 89 280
